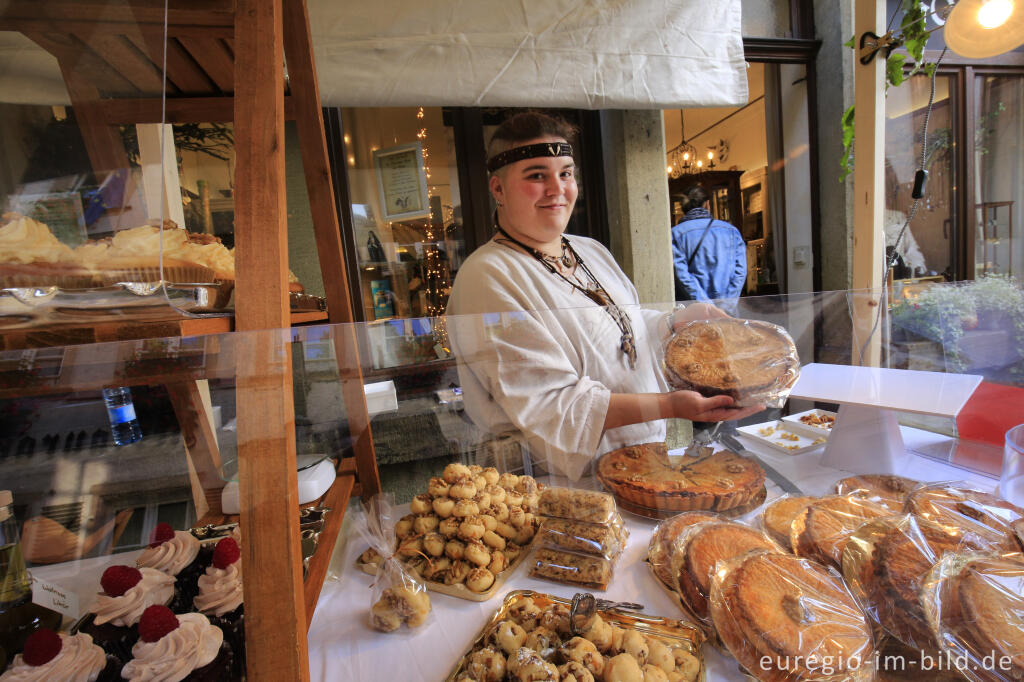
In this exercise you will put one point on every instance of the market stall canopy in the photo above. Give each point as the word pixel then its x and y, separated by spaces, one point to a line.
pixel 597 54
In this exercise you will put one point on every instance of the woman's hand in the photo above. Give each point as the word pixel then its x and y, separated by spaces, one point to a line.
pixel 695 407
pixel 695 311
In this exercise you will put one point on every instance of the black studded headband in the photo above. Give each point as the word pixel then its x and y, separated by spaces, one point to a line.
pixel 530 151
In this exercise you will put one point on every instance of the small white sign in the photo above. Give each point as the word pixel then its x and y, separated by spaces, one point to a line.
pixel 55 597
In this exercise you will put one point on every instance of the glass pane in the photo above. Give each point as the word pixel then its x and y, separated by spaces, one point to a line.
pixel 999 192
pixel 403 179
pixel 927 247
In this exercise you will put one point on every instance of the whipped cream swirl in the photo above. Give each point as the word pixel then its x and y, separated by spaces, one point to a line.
pixel 154 588
pixel 220 590
pixel 193 644
pixel 79 660
pixel 171 556
pixel 24 240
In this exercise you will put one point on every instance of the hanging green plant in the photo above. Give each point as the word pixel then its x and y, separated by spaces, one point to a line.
pixel 913 35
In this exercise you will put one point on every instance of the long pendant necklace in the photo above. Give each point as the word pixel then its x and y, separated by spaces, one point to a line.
pixel 595 291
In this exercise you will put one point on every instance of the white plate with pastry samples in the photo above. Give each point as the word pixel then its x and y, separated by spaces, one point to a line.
pixel 812 422
pixel 779 435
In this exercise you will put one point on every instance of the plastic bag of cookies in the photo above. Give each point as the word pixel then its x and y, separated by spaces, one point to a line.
pixel 572 568
pixel 399 597
pixel 600 539
pixel 973 603
pixel 580 505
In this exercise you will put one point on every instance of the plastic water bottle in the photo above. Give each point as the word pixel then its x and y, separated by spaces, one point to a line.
pixel 121 410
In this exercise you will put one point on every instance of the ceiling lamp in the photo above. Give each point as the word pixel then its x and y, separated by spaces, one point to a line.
pixel 985 28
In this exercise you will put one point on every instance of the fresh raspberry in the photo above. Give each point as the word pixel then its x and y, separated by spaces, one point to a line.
pixel 117 580
pixel 41 647
pixel 161 534
pixel 226 553
pixel 156 622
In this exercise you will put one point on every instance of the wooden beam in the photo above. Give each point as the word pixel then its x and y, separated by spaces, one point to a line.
pixel 319 185
pixel 336 500
pixel 194 411
pixel 178 110
pixel 868 188
pixel 193 13
pixel 275 627
pixel 215 59
pixel 182 70
pixel 128 61
pixel 113 27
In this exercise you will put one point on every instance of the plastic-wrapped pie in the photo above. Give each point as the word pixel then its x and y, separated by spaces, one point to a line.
pixel 885 563
pixel 975 605
pixel 821 530
pixel 582 505
pixel 751 361
pixel 600 539
pixel 885 489
pixel 788 618
pixel 659 550
pixel 572 568
pixel 700 547
pixel 644 475
pixel 777 517
pixel 959 507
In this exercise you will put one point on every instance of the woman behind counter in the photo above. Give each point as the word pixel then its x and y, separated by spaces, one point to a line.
pixel 572 363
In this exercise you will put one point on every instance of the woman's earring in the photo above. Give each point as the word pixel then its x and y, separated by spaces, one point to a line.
pixel 500 205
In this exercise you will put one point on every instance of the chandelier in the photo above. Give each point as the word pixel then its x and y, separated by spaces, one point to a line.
pixel 682 159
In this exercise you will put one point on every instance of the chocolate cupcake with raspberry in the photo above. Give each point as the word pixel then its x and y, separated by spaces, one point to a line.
pixel 127 593
pixel 176 553
pixel 220 597
pixel 178 647
pixel 50 656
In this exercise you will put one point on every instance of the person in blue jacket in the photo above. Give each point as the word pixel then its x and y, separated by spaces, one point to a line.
pixel 709 256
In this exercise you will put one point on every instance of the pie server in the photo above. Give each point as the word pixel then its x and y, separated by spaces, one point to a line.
pixel 733 444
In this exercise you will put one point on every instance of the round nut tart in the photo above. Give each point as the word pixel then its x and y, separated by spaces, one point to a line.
pixel 778 516
pixel 660 548
pixel 698 550
pixel 971 511
pixel 774 611
pixel 644 475
pixel 745 359
pixel 886 489
pixel 821 530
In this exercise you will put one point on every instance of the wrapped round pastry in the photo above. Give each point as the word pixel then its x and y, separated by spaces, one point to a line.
pixel 556 618
pixel 487 665
pixel 449 527
pixel 821 530
pixel 409 604
pixel 653 673
pixel 660 547
pixel 482 499
pixel 491 475
pixel 500 511
pixel 508 481
pixel 457 572
pixel 464 508
pixel 660 655
pixel 574 672
pixel 777 518
pixel 508 636
pixel 700 547
pixel 472 528
pixel 455 549
pixel 526 485
pixel 456 472
pixel 496 492
pixel 526 613
pixel 493 540
pixel 383 618
pixel 959 507
pixel 623 668
pixel 477 553
pixel 582 650
pixel 462 490
pixel 422 525
pixel 499 562
pixel 526 665
pixel 975 604
pixel 544 641
pixel 886 489
pixel 433 544
pixel 443 506
pixel 775 611
pixel 751 361
pixel 599 632
pixel 635 644
pixel 403 528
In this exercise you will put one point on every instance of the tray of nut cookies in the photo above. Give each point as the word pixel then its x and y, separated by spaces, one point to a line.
pixel 536 636
pixel 468 532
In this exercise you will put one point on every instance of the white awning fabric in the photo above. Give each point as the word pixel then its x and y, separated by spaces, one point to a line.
pixel 589 54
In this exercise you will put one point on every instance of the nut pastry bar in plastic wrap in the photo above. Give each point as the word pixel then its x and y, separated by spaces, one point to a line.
pixel 961 507
pixel 753 362
pixel 659 550
pixel 531 638
pixel 580 505
pixel 885 563
pixel 398 596
pixel 786 618
pixel 821 529
pixel 599 539
pixel 975 605
pixel 571 568
pixel 777 517
pixel 886 489
pixel 699 548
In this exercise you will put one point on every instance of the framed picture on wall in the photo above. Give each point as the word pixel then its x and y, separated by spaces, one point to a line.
pixel 402 182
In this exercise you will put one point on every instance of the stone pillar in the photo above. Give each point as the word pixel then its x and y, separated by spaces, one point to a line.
pixel 637 194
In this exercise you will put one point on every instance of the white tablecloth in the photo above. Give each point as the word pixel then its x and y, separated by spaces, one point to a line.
pixel 343 647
